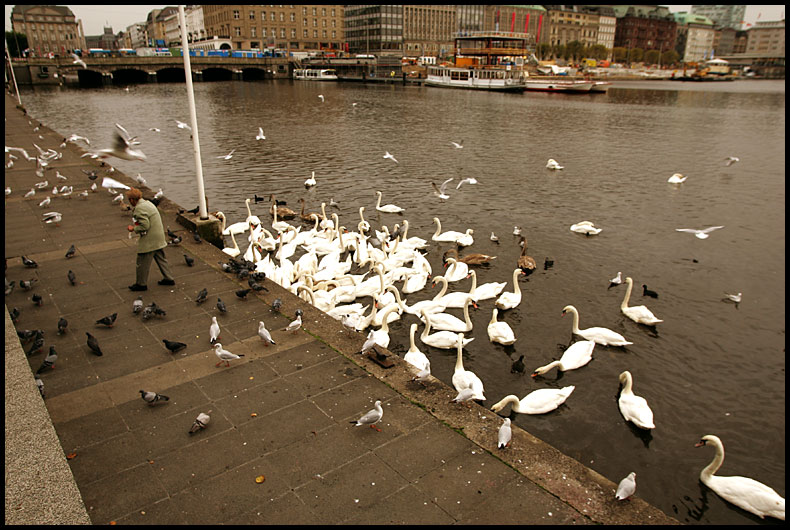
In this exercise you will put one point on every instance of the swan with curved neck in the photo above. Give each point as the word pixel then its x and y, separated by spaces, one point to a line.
pixel 252 220
pixel 441 339
pixel 458 298
pixel 450 236
pixel 414 356
pixel 382 335
pixel 488 290
pixel 536 402
pixel 639 314
pixel 363 225
pixel 282 211
pixel 526 263
pixel 465 379
pixel 447 322
pixel 576 356
pixel 500 332
pixel 634 408
pixel 387 208
pixel 455 270
pixel 429 306
pixel 602 336
pixel 306 216
pixel 279 226
pixel 744 492
pixel 508 300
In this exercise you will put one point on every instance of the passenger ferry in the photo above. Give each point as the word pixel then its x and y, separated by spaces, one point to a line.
pixel 484 60
pixel 315 74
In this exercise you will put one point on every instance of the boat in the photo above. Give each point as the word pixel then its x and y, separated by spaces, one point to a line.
pixel 315 74
pixel 484 60
pixel 559 84
pixel 600 86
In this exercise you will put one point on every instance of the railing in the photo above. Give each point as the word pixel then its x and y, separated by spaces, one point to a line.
pixel 493 51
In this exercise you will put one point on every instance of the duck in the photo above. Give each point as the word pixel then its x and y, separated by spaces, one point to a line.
pixel 441 339
pixel 414 356
pixel 448 322
pixel 677 178
pixel 634 408
pixel 311 181
pixel 648 292
pixel 526 263
pixel 508 300
pixel 311 216
pixel 466 379
pixel 455 270
pixel 500 332
pixel 469 259
pixel 577 355
pixel 387 208
pixel 744 492
pixel 639 314
pixel 456 299
pixel 586 228
pixel 602 336
pixel 536 402
pixel 283 212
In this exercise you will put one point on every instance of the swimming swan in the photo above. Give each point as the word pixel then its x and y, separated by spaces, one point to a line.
pixel 634 408
pixel 441 339
pixel 639 314
pixel 585 227
pixel 387 208
pixel 677 178
pixel 414 356
pixel 448 322
pixel 508 300
pixel 602 336
pixel 536 402
pixel 576 356
pixel 500 332
pixel 466 379
pixel 456 299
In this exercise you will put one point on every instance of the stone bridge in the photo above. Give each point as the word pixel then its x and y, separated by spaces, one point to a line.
pixel 131 70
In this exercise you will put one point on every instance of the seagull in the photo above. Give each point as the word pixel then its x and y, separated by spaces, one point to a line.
pixel 53 217
pixel 182 125
pixel 470 180
pixel 78 60
pixel 494 238
pixel 31 193
pixel 174 346
pixel 677 178
pixel 260 135
pixel 458 146
pixel 626 488
pixel 152 397
pixel 730 160
pixel 295 325
pixel 733 297
pixel 83 194
pixel 371 417
pixel 701 234
pixel 321 97
pixel 440 191
pixel 140 179
pixel 553 164
pixel 505 433
pixel 224 355
pixel 370 341
pixel 122 147
pixel 200 422
pixel 264 334
pixel 154 129
pixel 41 185
pixel 159 194
pixel 617 280
pixel 228 156
pixel 214 330
pixel 311 181
pixel 388 155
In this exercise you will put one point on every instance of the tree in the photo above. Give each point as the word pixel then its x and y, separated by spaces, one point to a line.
pixel 651 56
pixel 544 50
pixel 558 50
pixel 637 54
pixel 619 54
pixel 598 51
pixel 670 57
pixel 16 43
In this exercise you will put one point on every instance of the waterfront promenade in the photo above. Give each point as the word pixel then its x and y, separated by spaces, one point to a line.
pixel 93 452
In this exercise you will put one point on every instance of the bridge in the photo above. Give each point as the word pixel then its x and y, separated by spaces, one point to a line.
pixel 131 70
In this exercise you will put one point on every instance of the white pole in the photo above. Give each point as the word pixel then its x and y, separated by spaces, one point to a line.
pixel 13 76
pixel 192 114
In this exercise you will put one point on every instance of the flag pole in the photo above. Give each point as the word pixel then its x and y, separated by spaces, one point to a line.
pixel 13 76
pixel 192 115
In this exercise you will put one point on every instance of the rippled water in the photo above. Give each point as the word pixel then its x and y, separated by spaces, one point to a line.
pixel 713 367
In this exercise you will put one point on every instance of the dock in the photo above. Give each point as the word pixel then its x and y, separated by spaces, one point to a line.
pixel 281 446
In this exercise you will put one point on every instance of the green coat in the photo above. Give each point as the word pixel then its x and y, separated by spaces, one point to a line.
pixel 148 223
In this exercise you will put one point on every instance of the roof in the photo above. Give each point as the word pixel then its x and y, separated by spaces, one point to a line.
pixel 24 8
pixel 684 18
pixel 535 8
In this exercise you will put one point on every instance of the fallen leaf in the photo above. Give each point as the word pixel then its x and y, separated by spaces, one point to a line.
pixel 71 455
pixel 254 415
pixel 259 479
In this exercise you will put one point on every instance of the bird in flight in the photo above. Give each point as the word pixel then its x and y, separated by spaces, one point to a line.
pixel 260 135
pixel 388 155
pixel 730 160
pixel 440 191
pixel 457 145
pixel 228 156
pixel 701 234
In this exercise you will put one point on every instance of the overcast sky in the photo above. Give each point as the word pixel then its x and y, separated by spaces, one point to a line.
pixel 119 17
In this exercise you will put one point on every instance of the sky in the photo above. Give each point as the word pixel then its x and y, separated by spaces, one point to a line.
pixel 119 17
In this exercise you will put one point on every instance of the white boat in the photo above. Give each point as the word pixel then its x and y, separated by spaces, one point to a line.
pixel 600 86
pixel 558 84
pixel 315 74
pixel 475 77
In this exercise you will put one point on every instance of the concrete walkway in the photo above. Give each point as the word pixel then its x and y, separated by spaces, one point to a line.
pixel 282 412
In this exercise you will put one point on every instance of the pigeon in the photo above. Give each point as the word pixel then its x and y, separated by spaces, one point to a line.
pixel 469 180
pixel 242 293
pixel 27 334
pixel 196 237
pixel 277 304
pixel 27 284
pixel 108 321
pixel 214 330
pixel 264 334
pixel 38 343
pixel 221 305
pixel 37 300
pixel 648 292
pixel 388 155
pixel 517 366
pixel 174 346
pixel 260 135
pixel 14 314
pixel 730 160
pixel 72 278
pixel 170 233
pixel 617 280
pixel 148 312
pixel 201 297
pixel 70 252
pixel 40 385
pixel 733 297
pixel 49 360
pixel 224 355
pixel 626 488
pixel 158 311
pixel 137 305
pixel 152 397
pixel 505 433
pixel 93 344
pixel 701 234
pixel 440 191
pixel 295 325
pixel 200 423
pixel 9 287
pixel 255 286
pixel 122 147
pixel 371 417
pixel 190 261
pixel 62 325
pixel 175 241
pixel 29 263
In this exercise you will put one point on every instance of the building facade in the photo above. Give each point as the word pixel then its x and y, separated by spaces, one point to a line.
pixel 722 16
pixel 429 30
pixel 49 29
pixel 723 41
pixel 105 41
pixel 694 37
pixel 470 17
pixel 767 38
pixel 529 19
pixel 645 27
pixel 607 26
pixel 137 35
pixel 374 29
pixel 569 23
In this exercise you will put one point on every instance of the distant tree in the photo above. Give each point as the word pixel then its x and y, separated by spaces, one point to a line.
pixel 558 50
pixel 598 51
pixel 651 56
pixel 544 50
pixel 637 54
pixel 619 54
pixel 670 57
pixel 16 43
pixel 575 50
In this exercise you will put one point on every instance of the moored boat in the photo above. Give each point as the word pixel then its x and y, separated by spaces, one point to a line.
pixel 558 84
pixel 315 74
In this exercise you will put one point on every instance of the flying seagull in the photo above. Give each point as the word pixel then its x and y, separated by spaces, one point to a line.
pixel 440 191
pixel 388 155
pixel 701 234
pixel 122 147
pixel 260 135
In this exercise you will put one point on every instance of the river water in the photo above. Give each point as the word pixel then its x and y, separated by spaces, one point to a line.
pixel 712 368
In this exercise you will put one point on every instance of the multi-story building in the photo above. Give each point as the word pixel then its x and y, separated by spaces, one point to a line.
pixel 607 26
pixel 645 27
pixel 293 27
pixel 374 29
pixel 49 29
pixel 568 23
pixel 155 25
pixel 529 19
pixel 723 41
pixel 429 29
pixel 724 16
pixel 105 41
pixel 767 38
pixel 136 35
pixel 694 37
pixel 196 29
pixel 740 42
pixel 470 17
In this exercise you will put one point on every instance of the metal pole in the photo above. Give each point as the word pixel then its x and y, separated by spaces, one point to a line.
pixel 203 212
pixel 13 76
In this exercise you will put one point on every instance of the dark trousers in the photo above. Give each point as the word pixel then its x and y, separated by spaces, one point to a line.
pixel 144 265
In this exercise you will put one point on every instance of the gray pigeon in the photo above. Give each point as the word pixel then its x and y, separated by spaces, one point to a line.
pixel 49 360
pixel 62 325
pixel 9 287
pixel 27 284
pixel 221 305
pixel 40 385
pixel 29 263
pixel 72 278
pixel 152 397
pixel 36 298
pixel 108 321
pixel 174 346
pixel 200 422
pixel 71 251
pixel 93 344
pixel 38 343
pixel 190 261
pixel 137 305
pixel 201 297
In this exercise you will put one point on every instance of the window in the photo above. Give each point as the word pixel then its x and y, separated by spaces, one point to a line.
pixel 273 17
pixel 293 17
pixel 263 32
pixel 304 22
pixel 263 16
pixel 252 31
pixel 304 11
pixel 323 11
pixel 323 33
pixel 237 32
pixel 315 11
pixel 333 12
pixel 334 34
pixel 293 33
pixel 304 33
pixel 282 17
pixel 315 22
pixel 315 33
pixel 323 23
pixel 282 33
pixel 252 15
pixel 235 15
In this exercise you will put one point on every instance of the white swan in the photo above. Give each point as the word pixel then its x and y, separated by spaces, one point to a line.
pixel 253 220
pixel 311 181
pixel 602 336
pixel 508 300
pixel 634 408
pixel 746 493
pixel 456 299
pixel 279 226
pixel 441 339
pixel 553 164
pixel 387 208
pixel 448 322
pixel 639 314
pixel 450 236
pixel 363 225
pixel 436 305
pixel 677 178
pixel 466 379
pixel 456 270
pixel 488 290
pixel 414 356
pixel 232 252
pixel 536 402
pixel 382 335
pixel 576 356
pixel 585 227
pixel 500 331
pixel 236 228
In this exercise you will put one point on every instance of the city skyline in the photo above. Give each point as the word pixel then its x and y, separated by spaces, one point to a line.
pixel 119 17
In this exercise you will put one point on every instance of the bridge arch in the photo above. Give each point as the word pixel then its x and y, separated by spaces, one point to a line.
pixel 256 74
pixel 129 76
pixel 170 75
pixel 89 78
pixel 217 74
